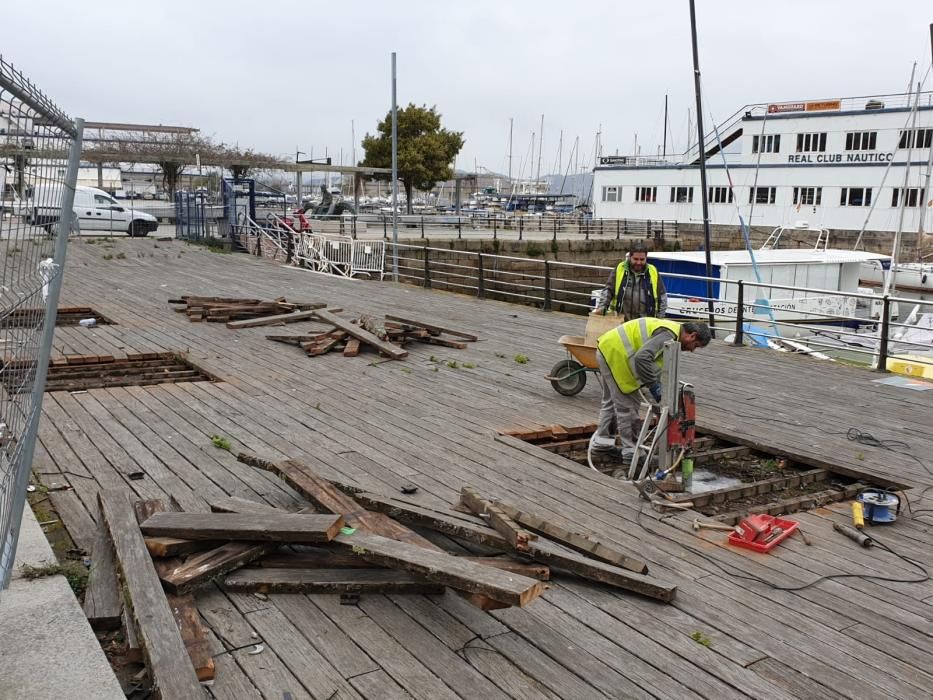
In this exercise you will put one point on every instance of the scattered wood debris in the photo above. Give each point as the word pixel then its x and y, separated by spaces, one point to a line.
pixel 387 336
pixel 227 309
pixel 148 559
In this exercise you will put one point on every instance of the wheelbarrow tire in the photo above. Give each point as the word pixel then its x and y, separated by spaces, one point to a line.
pixel 570 377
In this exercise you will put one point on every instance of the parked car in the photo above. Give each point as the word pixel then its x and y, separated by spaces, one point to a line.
pixel 94 209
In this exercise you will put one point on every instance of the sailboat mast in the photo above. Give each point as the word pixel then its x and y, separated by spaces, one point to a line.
pixel 540 148
pixel 890 281
pixel 701 146
pixel 664 147
pixel 926 185
pixel 511 184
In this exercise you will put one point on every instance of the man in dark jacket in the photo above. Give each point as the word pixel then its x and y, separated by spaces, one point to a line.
pixel 635 289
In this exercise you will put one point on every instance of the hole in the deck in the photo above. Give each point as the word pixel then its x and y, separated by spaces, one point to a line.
pixel 729 481
pixel 82 372
pixel 66 316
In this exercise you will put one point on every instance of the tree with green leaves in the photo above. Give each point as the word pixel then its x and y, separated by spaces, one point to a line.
pixel 426 150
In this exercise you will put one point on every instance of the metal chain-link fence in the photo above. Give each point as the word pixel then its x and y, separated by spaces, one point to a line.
pixel 40 150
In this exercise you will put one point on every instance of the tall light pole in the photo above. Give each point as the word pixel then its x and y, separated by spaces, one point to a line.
pixel 298 177
pixel 702 148
pixel 394 178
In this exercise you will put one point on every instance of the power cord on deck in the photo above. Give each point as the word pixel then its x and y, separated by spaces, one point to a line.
pixel 854 434
pixel 732 571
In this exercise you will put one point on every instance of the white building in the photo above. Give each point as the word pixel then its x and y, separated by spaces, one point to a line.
pixel 823 162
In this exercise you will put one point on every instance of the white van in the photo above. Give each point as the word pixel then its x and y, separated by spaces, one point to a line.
pixel 95 210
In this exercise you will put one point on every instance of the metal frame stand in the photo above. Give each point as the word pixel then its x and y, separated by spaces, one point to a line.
pixel 652 439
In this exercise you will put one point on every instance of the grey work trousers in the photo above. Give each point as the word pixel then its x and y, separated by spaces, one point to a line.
pixel 617 412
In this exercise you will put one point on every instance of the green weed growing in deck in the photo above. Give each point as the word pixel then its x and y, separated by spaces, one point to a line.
pixel 121 256
pixel 220 442
pixel 701 638
pixel 406 370
pixel 500 355
pixel 74 571
pixel 108 256
pixel 522 359
pixel 453 364
pixel 468 365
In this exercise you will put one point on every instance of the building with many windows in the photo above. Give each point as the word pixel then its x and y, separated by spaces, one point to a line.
pixel 834 164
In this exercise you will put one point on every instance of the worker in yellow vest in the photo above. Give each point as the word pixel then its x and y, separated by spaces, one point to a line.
pixel 630 357
pixel 635 289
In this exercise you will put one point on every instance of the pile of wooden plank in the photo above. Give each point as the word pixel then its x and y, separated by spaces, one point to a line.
pixel 386 336
pixel 148 559
pixel 226 309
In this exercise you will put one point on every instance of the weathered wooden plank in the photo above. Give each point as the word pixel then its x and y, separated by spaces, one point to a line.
pixel 575 540
pixel 270 580
pixel 353 348
pixel 199 569
pixel 164 649
pixel 497 518
pixel 274 527
pixel 389 349
pixel 531 570
pixel 103 603
pixel 329 498
pixel 175 547
pixel 443 342
pixel 183 606
pixel 329 559
pixel 442 568
pixel 290 317
pixel 432 327
pixel 542 550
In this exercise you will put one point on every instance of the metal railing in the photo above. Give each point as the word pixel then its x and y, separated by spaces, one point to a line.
pixel 862 328
pixel 33 264
pixel 497 226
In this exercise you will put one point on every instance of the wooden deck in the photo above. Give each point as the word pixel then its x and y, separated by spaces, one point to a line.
pixel 419 421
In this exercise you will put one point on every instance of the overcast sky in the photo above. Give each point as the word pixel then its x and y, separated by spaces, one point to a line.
pixel 277 75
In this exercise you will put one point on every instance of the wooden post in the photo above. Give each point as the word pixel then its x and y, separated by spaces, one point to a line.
pixel 547 285
pixel 521 220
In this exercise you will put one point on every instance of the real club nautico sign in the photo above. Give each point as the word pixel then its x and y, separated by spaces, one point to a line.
pixel 840 157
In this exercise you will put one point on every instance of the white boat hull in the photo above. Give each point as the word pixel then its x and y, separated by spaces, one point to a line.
pixel 913 277
pixel 814 309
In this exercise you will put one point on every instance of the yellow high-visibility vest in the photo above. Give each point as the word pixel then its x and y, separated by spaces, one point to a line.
pixel 652 277
pixel 619 346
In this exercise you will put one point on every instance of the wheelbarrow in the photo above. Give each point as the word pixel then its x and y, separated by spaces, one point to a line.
pixel 568 377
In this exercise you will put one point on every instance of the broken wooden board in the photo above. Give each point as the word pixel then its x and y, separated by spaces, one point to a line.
pixel 183 606
pixel 353 348
pixel 175 547
pixel 269 580
pixel 587 544
pixel 167 659
pixel 328 559
pixel 290 317
pixel 103 603
pixel 389 349
pixel 326 496
pixel 442 568
pixel 296 340
pixel 274 527
pixel 541 550
pixel 200 569
pixel 329 498
pixel 500 521
pixel 432 327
